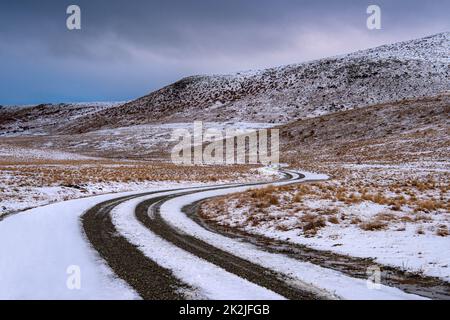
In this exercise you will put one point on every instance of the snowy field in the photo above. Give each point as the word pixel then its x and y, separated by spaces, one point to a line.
pixel 34 177
pixel 397 215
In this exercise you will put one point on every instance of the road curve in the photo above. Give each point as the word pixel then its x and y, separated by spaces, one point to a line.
pixel 152 281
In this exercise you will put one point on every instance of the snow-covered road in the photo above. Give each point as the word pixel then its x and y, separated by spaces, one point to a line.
pixel 151 249
pixel 39 245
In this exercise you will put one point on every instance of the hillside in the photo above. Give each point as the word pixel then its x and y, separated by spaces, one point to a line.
pixel 411 69
pixel 405 131
pixel 46 119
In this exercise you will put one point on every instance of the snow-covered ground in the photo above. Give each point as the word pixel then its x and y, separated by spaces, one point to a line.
pixel 405 249
pixel 395 214
pixel 424 254
pixel 39 246
pixel 34 177
pixel 133 142
pixel 22 198
pixel 20 193
pixel 20 153
pixel 148 136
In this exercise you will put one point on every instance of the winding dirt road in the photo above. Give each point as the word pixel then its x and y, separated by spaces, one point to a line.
pixel 151 281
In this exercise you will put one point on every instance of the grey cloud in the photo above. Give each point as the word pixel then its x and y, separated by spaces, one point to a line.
pixel 150 43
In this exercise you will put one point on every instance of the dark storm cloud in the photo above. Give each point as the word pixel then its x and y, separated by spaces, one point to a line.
pixel 126 48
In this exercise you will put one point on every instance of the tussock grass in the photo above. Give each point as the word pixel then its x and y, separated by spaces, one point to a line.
pixel 442 231
pixel 402 197
pixel 75 173
pixel 373 225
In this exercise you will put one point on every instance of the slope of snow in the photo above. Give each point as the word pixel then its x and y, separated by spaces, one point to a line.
pixel 46 118
pixel 419 49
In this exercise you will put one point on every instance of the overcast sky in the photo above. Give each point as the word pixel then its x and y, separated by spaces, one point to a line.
pixel 126 49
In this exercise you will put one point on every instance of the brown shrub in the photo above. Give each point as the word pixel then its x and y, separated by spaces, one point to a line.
pixel 333 220
pixel 353 198
pixel 406 219
pixel 422 218
pixel 442 231
pixel 373 225
pixel 385 216
pixel 297 197
pixel 379 198
pixel 328 211
pixel 427 205
pixel 312 223
pixel 273 200
pixel 355 220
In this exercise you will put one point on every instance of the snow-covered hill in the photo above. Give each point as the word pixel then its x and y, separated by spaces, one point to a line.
pixel 46 118
pixel 408 69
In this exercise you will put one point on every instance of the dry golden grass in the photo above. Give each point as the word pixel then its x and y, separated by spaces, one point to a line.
pixel 428 205
pixel 312 224
pixel 407 195
pixel 373 225
pixel 74 173
pixel 442 231
pixel 399 193
pixel 333 220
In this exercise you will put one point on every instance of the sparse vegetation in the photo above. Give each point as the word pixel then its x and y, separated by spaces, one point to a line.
pixel 401 198
pixel 442 231
pixel 22 182
pixel 373 225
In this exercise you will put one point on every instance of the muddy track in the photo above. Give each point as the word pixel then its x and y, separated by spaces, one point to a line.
pixel 429 287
